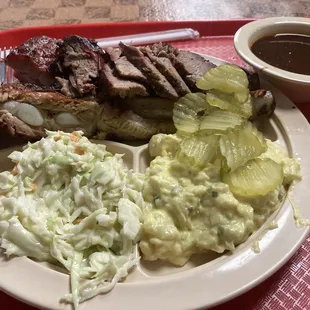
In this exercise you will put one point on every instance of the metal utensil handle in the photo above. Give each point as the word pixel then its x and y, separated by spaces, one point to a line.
pixel 151 37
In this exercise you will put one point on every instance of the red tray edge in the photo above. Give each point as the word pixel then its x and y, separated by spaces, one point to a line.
pixel 16 36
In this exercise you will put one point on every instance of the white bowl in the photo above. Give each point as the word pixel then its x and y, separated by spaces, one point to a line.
pixel 295 86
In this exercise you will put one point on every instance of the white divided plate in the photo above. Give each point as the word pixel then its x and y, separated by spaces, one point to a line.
pixel 207 279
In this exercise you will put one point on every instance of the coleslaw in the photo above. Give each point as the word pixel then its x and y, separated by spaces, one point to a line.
pixel 70 202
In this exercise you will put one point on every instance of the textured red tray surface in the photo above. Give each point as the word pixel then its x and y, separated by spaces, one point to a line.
pixel 289 288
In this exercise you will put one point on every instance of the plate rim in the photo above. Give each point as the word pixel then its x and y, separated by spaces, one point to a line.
pixel 171 289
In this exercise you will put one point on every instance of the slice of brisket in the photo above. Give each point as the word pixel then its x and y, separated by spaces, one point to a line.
pixel 190 66
pixel 31 60
pixel 111 85
pixel 166 68
pixel 114 53
pixel 78 61
pixel 165 48
pixel 126 70
pixel 156 80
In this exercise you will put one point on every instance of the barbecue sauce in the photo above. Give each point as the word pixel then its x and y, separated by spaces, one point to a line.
pixel 286 51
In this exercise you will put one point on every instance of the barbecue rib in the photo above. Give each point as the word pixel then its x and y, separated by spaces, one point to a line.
pixel 29 110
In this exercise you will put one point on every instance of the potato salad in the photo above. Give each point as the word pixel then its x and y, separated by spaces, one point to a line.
pixel 216 181
pixel 195 211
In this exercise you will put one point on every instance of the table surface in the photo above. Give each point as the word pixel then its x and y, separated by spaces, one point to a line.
pixel 20 13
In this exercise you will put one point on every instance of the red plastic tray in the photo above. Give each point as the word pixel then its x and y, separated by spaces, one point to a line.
pixel 288 288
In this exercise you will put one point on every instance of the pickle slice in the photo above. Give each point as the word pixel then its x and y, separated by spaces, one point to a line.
pixel 198 151
pixel 220 122
pixel 227 78
pixel 229 102
pixel 241 145
pixel 187 112
pixel 257 177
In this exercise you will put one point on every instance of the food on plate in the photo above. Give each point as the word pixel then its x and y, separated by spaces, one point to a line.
pixel 28 110
pixel 77 66
pixel 69 202
pixel 263 103
pixel 130 125
pixel 197 210
pixel 209 187
pixel 32 59
pixel 137 86
pixel 217 180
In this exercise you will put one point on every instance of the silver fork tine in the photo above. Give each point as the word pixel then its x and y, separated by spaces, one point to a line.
pixel 2 76
pixel 5 67
pixel 6 72
pixel 11 76
pixel 2 67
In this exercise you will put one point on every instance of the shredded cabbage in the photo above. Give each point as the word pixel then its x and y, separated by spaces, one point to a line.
pixel 69 201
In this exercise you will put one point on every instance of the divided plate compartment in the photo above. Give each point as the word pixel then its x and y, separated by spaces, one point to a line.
pixel 201 275
pixel 138 159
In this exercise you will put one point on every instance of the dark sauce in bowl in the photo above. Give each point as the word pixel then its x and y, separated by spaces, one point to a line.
pixel 286 51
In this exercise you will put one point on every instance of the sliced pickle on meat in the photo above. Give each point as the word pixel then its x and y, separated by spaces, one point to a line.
pixel 185 119
pixel 220 122
pixel 229 102
pixel 256 177
pixel 228 79
pixel 198 150
pixel 242 145
pixel 188 110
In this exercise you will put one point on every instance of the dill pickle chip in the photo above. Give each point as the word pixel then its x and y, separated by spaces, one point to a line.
pixel 241 145
pixel 229 102
pixel 198 151
pixel 257 177
pixel 228 78
pixel 220 122
pixel 187 112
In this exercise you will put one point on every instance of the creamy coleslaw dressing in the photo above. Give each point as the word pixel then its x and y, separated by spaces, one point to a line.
pixel 70 202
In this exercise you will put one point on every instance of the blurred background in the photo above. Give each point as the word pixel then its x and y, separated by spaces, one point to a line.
pixel 20 13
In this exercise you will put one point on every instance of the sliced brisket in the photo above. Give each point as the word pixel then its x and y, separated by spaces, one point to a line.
pixel 79 61
pixel 162 48
pixel 31 60
pixel 114 53
pixel 126 70
pixel 66 88
pixel 111 85
pixel 190 66
pixel 157 81
pixel 166 68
